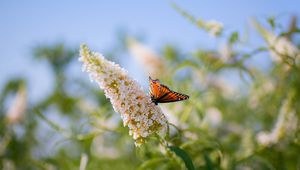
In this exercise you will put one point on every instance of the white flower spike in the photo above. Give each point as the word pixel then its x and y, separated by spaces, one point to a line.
pixel 126 96
pixel 148 59
pixel 214 28
pixel 17 110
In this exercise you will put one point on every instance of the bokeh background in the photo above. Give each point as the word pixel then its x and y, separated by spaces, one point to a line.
pixel 244 83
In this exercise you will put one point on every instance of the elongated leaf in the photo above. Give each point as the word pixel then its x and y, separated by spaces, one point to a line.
pixel 184 156
pixel 209 164
pixel 234 37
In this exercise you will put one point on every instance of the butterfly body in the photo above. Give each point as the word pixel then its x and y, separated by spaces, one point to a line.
pixel 160 93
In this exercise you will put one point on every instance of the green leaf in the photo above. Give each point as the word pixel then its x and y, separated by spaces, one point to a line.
pixel 234 37
pixel 184 156
pixel 271 21
pixel 209 164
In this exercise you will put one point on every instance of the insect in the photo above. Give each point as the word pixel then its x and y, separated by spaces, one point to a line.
pixel 160 93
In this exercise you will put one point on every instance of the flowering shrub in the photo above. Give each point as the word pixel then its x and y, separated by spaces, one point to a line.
pixel 127 98
pixel 241 114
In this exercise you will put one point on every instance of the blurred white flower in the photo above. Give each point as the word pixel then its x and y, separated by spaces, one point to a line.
pixel 264 138
pixel 102 149
pixel 147 58
pixel 213 27
pixel 225 52
pixel 83 161
pixel 17 109
pixel 286 125
pixel 191 135
pixel 8 164
pixel 213 117
pixel 280 47
pixel 141 115
pixel 170 115
pixel 227 90
pixel 266 88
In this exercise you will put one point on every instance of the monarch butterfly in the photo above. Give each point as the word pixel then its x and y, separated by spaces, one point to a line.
pixel 160 93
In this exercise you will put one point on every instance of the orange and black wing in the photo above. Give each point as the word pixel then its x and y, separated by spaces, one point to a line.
pixel 170 96
pixel 154 88
pixel 162 94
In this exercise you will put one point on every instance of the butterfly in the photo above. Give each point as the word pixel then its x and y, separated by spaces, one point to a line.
pixel 160 93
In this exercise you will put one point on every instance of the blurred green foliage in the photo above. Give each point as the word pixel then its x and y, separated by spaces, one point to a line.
pixel 223 125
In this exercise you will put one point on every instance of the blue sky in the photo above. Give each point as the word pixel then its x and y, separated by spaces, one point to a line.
pixel 25 24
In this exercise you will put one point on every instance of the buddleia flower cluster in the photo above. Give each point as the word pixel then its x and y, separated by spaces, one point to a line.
pixel 285 126
pixel 280 47
pixel 151 62
pixel 126 96
pixel 18 108
pixel 213 27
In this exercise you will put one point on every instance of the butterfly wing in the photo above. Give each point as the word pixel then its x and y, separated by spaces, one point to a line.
pixel 154 88
pixel 168 95
pixel 162 94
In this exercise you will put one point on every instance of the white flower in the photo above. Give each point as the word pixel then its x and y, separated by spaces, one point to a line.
pixel 213 117
pixel 148 59
pixel 226 88
pixel 213 27
pixel 280 47
pixel 83 161
pixel 225 52
pixel 17 109
pixel 286 125
pixel 104 150
pixel 264 138
pixel 258 93
pixel 127 98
